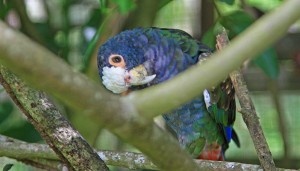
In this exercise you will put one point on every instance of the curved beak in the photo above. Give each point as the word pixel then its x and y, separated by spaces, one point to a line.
pixel 138 76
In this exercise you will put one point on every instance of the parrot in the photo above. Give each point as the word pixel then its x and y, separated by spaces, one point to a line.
pixel 142 57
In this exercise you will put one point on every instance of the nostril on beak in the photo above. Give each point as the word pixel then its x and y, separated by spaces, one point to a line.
pixel 127 79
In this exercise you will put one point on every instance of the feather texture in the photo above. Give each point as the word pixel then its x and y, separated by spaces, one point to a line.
pixel 203 126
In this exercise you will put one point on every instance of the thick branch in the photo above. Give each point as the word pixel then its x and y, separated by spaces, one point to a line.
pixel 53 127
pixel 33 62
pixel 247 45
pixel 249 113
pixel 123 159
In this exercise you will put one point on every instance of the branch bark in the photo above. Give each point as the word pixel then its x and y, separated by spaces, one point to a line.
pixel 251 119
pixel 128 160
pixel 248 111
pixel 53 127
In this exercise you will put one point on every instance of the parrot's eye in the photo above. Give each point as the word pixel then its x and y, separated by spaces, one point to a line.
pixel 117 61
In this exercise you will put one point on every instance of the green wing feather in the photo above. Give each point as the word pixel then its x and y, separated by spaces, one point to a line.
pixel 187 43
pixel 223 108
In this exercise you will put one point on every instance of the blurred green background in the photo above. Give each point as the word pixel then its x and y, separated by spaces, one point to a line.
pixel 74 29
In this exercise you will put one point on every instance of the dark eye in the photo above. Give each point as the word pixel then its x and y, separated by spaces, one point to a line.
pixel 116 59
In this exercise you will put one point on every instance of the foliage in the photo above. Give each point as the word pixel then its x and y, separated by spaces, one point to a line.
pixel 236 22
pixel 229 2
pixel 13 125
pixel 7 167
pixel 125 5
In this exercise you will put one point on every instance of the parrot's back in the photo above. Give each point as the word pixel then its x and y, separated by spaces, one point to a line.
pixel 204 125
pixel 171 51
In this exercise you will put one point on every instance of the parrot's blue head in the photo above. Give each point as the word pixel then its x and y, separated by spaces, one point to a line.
pixel 120 61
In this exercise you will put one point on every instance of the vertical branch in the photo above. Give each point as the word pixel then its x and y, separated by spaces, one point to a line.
pixel 248 112
pixel 207 15
pixel 143 15
pixel 66 29
pixel 27 25
pixel 282 122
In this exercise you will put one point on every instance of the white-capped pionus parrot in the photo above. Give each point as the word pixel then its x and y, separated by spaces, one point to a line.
pixel 142 57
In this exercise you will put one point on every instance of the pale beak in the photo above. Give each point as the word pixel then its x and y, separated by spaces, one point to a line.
pixel 138 76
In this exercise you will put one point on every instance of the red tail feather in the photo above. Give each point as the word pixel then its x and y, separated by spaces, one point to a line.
pixel 212 152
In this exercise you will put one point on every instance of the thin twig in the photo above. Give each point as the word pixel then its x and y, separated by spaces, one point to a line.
pixel 48 165
pixel 248 111
pixel 53 127
pixel 128 160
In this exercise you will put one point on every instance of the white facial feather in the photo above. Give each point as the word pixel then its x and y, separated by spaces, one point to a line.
pixel 113 79
pixel 207 98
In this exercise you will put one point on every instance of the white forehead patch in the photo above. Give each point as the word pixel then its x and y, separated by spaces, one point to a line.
pixel 113 79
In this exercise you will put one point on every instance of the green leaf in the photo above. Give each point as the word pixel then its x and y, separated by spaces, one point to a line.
pixel 7 167
pixel 268 62
pixel 209 37
pixel 90 49
pixel 6 109
pixel 24 131
pixel 163 3
pixel 5 7
pixel 92 45
pixel 103 6
pixel 229 2
pixel 236 22
pixel 125 5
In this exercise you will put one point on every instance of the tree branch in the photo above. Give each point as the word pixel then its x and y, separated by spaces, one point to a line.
pixel 122 159
pixel 251 120
pixel 144 15
pixel 281 117
pixel 37 155
pixel 53 127
pixel 249 114
pixel 27 25
pixel 48 165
